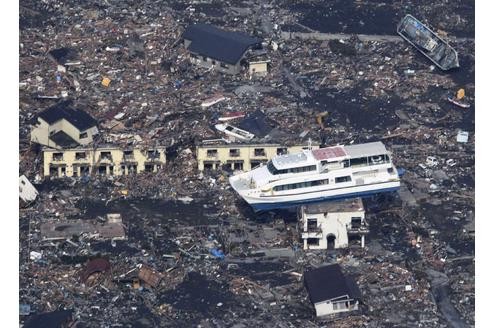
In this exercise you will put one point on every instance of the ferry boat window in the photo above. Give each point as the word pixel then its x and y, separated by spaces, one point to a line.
pixel 302 169
pixel 342 179
pixel 361 161
pixel 306 184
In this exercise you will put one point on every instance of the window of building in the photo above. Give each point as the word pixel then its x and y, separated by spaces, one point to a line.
pixel 153 154
pixel 238 166
pixel 148 168
pixel 106 155
pixel 343 179
pixel 281 151
pixel 259 152
pixel 355 222
pixel 80 155
pixel 234 152
pixel 83 135
pixel 102 170
pixel 211 153
pixel 312 224
pixel 57 156
pixel 313 242
pixel 208 166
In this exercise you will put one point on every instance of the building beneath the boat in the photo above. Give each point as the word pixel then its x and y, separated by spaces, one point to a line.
pixel 332 224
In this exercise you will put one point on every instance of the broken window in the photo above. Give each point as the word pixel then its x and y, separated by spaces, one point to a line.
pixel 102 170
pixel 148 168
pixel 58 156
pixel 235 152
pixel 80 155
pixel 106 155
pixel 211 153
pixel 259 152
pixel 83 135
pixel 355 223
pixel 281 151
pixel 153 154
pixel 312 224
pixel 313 241
pixel 128 154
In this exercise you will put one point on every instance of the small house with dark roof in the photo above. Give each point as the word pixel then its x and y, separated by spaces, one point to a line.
pixel 331 291
pixel 62 126
pixel 222 50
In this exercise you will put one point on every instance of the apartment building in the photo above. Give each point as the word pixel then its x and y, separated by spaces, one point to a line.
pixel 242 157
pixel 102 161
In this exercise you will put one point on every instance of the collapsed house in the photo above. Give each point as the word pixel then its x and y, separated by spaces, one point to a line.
pixel 214 48
pixel 329 225
pixel 62 126
pixel 330 291
pixel 242 157
pixel 110 160
pixel 27 192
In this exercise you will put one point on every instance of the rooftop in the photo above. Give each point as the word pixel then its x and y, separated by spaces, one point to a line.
pixel 80 119
pixel 63 139
pixel 328 282
pixel 289 160
pixel 210 41
pixel 366 149
pixel 329 153
pixel 348 205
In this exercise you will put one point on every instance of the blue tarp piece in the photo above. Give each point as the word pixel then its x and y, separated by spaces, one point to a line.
pixel 217 253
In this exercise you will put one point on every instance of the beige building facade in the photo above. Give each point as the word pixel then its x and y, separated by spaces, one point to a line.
pixel 329 225
pixel 242 157
pixel 102 161
pixel 43 132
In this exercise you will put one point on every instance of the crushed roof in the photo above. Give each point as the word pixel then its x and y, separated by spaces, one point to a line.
pixel 64 140
pixel 210 41
pixel 328 282
pixel 80 119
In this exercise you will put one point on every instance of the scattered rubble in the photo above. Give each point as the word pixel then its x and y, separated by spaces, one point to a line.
pixel 195 254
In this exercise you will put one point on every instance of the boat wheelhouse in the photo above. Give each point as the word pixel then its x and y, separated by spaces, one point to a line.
pixel 316 175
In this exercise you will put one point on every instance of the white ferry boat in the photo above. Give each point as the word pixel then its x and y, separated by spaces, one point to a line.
pixel 317 175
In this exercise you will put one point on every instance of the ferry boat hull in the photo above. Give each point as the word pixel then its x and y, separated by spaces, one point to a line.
pixel 280 202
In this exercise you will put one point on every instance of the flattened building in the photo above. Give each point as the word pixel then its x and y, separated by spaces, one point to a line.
pixel 221 50
pixel 331 291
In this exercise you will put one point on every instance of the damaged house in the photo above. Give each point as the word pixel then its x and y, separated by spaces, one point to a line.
pixel 62 126
pixel 221 50
pixel 329 225
pixel 331 291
